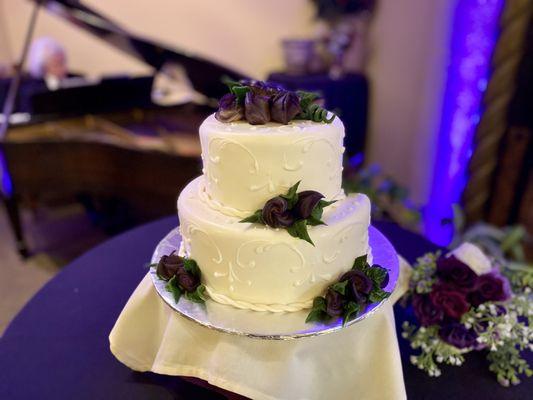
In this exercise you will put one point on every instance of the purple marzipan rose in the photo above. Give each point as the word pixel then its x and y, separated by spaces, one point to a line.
pixel 187 281
pixel 168 266
pixel 455 272
pixel 451 301
pixel 228 109
pixel 426 312
pixel 285 106
pixel 276 214
pixel 256 109
pixel 457 335
pixel 490 287
pixel 334 303
pixel 268 89
pixel 307 201
pixel 174 265
pixel 359 285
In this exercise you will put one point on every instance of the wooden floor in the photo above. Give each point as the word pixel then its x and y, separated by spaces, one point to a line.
pixel 55 237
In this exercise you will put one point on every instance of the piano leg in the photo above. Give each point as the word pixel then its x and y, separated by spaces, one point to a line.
pixel 13 213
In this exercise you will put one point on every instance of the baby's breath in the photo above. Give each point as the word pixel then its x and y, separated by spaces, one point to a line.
pixel 433 351
pixel 423 276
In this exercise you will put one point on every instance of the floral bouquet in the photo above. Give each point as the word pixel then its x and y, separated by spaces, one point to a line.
pixel 463 302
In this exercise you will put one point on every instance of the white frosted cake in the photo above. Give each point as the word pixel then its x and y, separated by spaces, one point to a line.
pixel 254 266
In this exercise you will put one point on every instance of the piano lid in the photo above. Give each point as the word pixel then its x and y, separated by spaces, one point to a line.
pixel 205 76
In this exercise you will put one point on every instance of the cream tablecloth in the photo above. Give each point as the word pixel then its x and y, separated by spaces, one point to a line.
pixel 358 362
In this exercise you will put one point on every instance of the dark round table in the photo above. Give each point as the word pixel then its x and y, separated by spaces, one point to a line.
pixel 57 347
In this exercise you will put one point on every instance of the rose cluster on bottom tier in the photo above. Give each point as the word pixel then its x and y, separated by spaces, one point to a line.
pixel 355 290
pixel 183 276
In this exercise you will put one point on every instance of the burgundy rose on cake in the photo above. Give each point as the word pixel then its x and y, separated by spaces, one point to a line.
pixel 293 211
pixel 183 277
pixel 463 302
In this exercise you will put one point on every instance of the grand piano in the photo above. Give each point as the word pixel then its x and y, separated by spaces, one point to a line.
pixel 106 141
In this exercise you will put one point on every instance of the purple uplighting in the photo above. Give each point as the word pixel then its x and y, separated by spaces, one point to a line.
pixel 474 34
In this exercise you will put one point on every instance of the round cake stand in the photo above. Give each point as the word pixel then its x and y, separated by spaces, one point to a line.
pixel 266 325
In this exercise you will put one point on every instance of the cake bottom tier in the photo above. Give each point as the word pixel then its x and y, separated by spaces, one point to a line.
pixel 255 267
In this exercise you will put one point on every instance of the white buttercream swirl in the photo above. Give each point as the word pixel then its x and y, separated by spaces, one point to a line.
pixel 275 308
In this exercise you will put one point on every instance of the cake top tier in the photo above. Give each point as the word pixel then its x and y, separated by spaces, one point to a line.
pixel 245 165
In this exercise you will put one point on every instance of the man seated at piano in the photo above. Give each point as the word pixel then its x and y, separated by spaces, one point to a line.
pixel 47 60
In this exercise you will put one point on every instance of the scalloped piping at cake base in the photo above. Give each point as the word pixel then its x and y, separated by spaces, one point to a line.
pixel 276 308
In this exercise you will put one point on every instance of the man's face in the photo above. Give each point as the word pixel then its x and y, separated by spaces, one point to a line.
pixel 56 65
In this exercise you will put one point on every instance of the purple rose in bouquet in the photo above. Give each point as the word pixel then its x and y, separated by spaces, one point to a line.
pixel 458 335
pixel 489 287
pixel 455 272
pixel 334 303
pixel 451 301
pixel 425 311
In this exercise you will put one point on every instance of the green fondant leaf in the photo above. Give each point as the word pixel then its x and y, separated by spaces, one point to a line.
pixel 360 263
pixel 240 92
pixel 316 214
pixel 318 311
pixel 312 221
pixel 351 309
pixel 255 218
pixel 299 230
pixel 172 286
pixel 377 294
pixel 319 303
pixel 340 287
pixel 306 98
pixel 377 274
pixel 292 196
pixel 198 296
pixel 230 83
pixel 192 267
pixel 316 316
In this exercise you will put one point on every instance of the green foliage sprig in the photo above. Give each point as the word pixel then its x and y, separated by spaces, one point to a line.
pixel 311 110
pixel 339 294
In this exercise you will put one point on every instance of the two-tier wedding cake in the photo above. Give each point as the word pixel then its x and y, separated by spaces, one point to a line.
pixel 271 262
